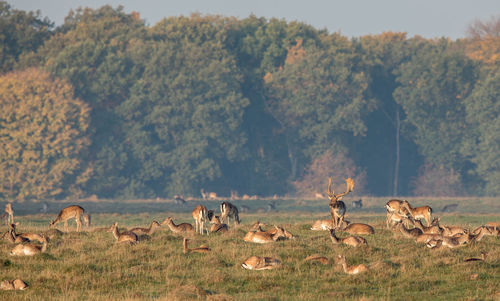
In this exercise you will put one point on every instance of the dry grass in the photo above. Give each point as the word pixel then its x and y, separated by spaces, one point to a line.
pixel 90 265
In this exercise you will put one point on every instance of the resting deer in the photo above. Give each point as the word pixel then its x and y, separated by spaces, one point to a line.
pixel 353 241
pixel 351 270
pixel 17 284
pixel 358 228
pixel 397 217
pixel 126 236
pixel 258 263
pixel 29 249
pixel 228 211
pixel 9 212
pixel 322 224
pixel 318 258
pixel 201 249
pixel 217 226
pixel 392 207
pixel 12 237
pixel 264 237
pixel 495 225
pixel 337 207
pixel 21 237
pixel 180 228
pixel 200 218
pixel 434 228
pixel 148 231
pixel 424 212
pixel 453 230
pixel 409 233
pixel 73 211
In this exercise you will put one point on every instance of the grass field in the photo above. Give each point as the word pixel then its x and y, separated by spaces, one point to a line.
pixel 90 266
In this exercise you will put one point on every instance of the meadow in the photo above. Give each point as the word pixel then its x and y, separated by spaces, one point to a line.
pixel 91 266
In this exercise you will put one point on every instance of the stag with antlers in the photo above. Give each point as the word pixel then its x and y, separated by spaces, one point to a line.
pixel 337 207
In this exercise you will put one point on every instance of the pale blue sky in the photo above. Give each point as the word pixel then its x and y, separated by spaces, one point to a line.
pixel 353 18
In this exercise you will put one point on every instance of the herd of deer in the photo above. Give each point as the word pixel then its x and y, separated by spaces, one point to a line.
pixel 401 217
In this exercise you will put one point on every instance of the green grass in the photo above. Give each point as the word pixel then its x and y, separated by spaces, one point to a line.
pixel 89 265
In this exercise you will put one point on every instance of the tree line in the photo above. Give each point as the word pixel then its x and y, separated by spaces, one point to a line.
pixel 107 105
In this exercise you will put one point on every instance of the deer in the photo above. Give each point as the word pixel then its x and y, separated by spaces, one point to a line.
pixel 208 195
pixel 73 211
pixel 227 211
pixel 322 224
pixel 217 226
pixel 353 241
pixel 126 236
pixel 12 237
pixel 9 214
pixel 17 284
pixel 351 270
pixel 424 212
pixel 392 207
pixel 148 231
pixel 87 220
pixel 258 263
pixel 493 225
pixel 180 228
pixel 393 218
pixel 264 237
pixel 21 237
pixel 200 218
pixel 337 207
pixel 201 249
pixel 318 258
pixel 434 228
pixel 409 233
pixel 357 228
pixel 454 230
pixel 29 249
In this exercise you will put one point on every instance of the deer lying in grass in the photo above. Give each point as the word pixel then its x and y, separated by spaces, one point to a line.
pixel 258 263
pixel 490 231
pixel 29 249
pixel 17 284
pixel 180 228
pixel 73 211
pixel 322 224
pixel 409 233
pixel 124 237
pixel 353 241
pixel 453 230
pixel 357 228
pixel 23 237
pixel 217 226
pixel 147 231
pixel 495 225
pixel 318 258
pixel 424 212
pixel 201 249
pixel 397 217
pixel 434 228
pixel 351 270
pixel 264 237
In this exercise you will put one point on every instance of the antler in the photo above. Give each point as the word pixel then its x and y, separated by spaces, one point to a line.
pixel 349 188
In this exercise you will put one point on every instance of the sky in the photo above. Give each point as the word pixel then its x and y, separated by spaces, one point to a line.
pixel 352 18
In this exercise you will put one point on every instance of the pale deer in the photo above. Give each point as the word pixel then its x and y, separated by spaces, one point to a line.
pixel 126 236
pixel 217 226
pixel 201 249
pixel 453 230
pixel 318 258
pixel 73 211
pixel 26 236
pixel 10 214
pixel 392 207
pixel 29 249
pixel 228 211
pixel 425 238
pixel 258 227
pixel 322 224
pixel 397 217
pixel 353 241
pixel 180 228
pixel 264 237
pixel 258 263
pixel 424 212
pixel 200 216
pixel 351 270
pixel 16 284
pixel 337 207
pixel 357 228
pixel 434 228
pixel 147 231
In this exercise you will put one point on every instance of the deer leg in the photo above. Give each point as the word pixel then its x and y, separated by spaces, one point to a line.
pixel 66 225
pixel 78 224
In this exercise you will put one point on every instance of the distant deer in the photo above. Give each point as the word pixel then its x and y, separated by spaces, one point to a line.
pixel 179 199
pixel 73 211
pixel 337 207
pixel 9 214
pixel 357 204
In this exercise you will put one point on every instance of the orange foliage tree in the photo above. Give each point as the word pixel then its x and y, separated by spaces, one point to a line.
pixel 43 134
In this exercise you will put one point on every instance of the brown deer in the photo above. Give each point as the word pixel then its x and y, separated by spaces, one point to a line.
pixel 21 237
pixel 73 211
pixel 264 237
pixel 409 233
pixel 126 236
pixel 424 212
pixel 148 231
pixel 9 214
pixel 357 228
pixel 337 207
pixel 29 249
pixel 351 270
pixel 434 228
pixel 180 228
pixel 260 263
pixel 392 207
pixel 201 249
pixel 353 241
pixel 228 211
pixel 217 226
pixel 200 216
pixel 17 284
pixel 318 258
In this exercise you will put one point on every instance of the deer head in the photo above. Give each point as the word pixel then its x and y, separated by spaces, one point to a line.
pixel 338 197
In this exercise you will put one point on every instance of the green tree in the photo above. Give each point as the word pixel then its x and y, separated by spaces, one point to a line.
pixel 43 137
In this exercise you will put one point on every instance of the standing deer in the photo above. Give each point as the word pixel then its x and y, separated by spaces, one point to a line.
pixel 227 211
pixel 424 212
pixel 73 211
pixel 337 207
pixel 9 214
pixel 200 216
